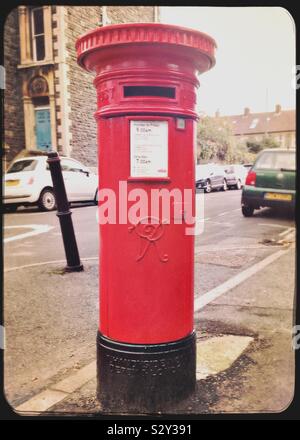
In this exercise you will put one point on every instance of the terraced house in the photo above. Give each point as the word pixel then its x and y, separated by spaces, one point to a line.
pixel 279 125
pixel 49 101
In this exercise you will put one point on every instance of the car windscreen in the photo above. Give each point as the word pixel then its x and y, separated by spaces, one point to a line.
pixel 277 160
pixel 22 165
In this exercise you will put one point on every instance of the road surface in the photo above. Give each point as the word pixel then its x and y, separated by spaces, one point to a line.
pixel 50 331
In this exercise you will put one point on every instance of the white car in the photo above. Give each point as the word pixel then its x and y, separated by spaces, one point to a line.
pixel 28 182
pixel 235 175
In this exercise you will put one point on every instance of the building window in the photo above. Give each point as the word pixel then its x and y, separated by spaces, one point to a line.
pixel 38 34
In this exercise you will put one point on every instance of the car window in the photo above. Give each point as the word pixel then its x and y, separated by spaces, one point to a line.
pixel 276 161
pixel 265 161
pixel 70 165
pixel 22 165
pixel 201 170
pixel 285 161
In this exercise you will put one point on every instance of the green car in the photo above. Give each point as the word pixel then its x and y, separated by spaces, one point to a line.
pixel 271 181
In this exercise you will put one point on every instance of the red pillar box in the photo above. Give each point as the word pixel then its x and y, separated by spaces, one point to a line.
pixel 146 90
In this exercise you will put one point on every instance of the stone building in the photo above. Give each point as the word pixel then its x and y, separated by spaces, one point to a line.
pixel 49 100
pixel 279 125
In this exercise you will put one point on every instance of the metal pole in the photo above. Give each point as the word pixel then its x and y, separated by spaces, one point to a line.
pixel 64 214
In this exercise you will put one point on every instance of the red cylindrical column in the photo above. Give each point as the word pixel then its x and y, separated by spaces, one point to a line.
pixel 146 91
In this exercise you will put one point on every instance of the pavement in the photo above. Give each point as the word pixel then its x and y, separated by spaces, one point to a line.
pixel 244 293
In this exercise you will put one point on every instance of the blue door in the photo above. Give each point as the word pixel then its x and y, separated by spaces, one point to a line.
pixel 43 129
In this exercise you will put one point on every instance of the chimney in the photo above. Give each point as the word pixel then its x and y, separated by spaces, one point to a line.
pixel 217 114
pixel 278 108
pixel 246 111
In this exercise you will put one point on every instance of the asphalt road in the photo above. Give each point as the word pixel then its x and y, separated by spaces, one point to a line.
pixel 222 214
pixel 51 332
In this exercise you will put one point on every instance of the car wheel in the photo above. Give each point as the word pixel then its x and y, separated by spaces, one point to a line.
pixel 96 198
pixel 47 200
pixel 11 208
pixel 247 210
pixel 224 187
pixel 238 184
pixel 208 187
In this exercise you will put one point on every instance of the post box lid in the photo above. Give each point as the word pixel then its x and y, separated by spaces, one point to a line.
pixel 201 44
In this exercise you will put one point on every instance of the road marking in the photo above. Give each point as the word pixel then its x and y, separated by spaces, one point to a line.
pixel 220 223
pixel 15 214
pixel 199 249
pixel 218 215
pixel 287 231
pixel 37 229
pixel 228 212
pixel 213 294
pixel 223 213
pixel 273 225
pixel 26 266
pixel 290 237
pixel 27 214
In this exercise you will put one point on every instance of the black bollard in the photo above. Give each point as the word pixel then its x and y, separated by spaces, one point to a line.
pixel 64 214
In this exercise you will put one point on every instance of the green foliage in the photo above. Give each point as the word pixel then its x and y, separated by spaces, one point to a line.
pixel 266 142
pixel 240 154
pixel 214 139
pixel 216 143
pixel 254 147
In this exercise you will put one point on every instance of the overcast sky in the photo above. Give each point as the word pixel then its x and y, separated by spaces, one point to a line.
pixel 254 59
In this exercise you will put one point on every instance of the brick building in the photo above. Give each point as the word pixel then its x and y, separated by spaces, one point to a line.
pixel 49 100
pixel 279 125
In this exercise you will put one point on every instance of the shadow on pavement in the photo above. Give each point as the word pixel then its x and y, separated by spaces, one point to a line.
pixel 275 213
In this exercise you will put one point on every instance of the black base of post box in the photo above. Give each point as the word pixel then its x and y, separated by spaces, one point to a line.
pixel 140 378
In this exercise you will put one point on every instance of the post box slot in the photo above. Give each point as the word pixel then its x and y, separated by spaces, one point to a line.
pixel 162 92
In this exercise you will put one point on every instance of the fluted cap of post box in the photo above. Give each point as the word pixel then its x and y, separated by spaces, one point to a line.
pixel 199 47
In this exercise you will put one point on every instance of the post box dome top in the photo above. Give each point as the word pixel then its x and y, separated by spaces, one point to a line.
pixel 146 33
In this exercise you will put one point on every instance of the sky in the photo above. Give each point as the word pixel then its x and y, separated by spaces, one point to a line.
pixel 255 57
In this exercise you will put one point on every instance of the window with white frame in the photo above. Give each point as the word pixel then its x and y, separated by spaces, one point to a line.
pixel 38 34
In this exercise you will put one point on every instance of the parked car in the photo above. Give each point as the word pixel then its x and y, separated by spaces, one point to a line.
pixel 271 181
pixel 28 182
pixel 247 166
pixel 235 175
pixel 210 177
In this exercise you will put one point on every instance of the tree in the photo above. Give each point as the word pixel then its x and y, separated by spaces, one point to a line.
pixel 257 146
pixel 240 154
pixel 214 139
pixel 217 143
